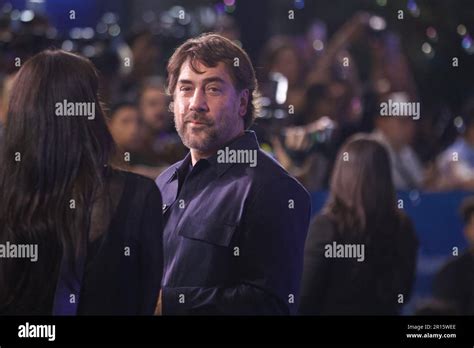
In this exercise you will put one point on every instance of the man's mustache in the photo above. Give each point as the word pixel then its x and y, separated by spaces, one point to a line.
pixel 197 117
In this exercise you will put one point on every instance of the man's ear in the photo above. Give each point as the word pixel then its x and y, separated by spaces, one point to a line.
pixel 244 101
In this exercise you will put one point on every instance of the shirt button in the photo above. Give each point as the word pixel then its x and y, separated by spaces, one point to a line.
pixel 164 206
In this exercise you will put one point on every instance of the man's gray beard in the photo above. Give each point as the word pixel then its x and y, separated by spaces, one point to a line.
pixel 208 143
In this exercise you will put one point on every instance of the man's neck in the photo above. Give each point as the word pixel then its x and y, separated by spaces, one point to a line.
pixel 196 155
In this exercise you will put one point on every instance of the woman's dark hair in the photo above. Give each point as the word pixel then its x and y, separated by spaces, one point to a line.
pixel 52 169
pixel 362 194
pixel 362 204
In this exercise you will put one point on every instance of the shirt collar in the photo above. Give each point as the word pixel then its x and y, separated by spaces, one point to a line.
pixel 247 141
pixel 180 168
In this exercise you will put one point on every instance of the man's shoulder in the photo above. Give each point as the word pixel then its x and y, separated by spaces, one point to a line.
pixel 270 174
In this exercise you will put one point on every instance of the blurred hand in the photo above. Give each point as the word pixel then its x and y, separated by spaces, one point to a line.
pixel 297 139
pixel 320 125
pixel 357 25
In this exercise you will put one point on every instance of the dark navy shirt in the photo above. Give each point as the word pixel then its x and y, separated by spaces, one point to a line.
pixel 234 234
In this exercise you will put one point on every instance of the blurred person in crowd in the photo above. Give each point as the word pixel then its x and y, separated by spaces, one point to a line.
pixel 335 63
pixel 146 54
pixel 396 134
pixel 309 147
pixel 306 152
pixel 161 145
pixel 313 42
pixel 228 27
pixel 331 109
pixel 6 36
pixel 392 80
pixel 29 38
pixel 454 283
pixel 124 126
pixel 281 56
pixel 154 106
pixel 456 164
pixel 333 88
pixel 390 70
pixel 90 231
pixel 361 250
pixel 107 61
pixel 232 206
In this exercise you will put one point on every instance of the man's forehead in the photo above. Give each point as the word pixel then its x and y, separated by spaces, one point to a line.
pixel 203 72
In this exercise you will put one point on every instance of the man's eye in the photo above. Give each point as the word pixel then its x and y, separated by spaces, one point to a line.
pixel 213 89
pixel 185 88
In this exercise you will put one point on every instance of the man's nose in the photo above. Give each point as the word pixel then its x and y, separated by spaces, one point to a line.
pixel 198 102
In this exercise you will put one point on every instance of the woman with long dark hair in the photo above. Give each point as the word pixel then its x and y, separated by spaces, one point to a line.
pixel 360 253
pixel 97 230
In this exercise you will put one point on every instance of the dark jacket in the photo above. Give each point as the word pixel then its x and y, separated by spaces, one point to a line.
pixel 337 284
pixel 124 267
pixel 454 283
pixel 234 235
pixel 120 271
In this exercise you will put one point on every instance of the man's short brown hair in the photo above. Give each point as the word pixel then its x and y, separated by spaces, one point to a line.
pixel 211 49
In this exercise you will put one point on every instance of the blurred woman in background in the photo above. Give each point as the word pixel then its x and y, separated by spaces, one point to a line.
pixel 98 231
pixel 360 253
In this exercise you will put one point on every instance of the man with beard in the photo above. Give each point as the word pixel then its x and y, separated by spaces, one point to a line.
pixel 234 231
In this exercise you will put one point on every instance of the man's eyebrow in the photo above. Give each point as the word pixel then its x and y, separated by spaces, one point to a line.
pixel 213 79
pixel 188 82
pixel 205 81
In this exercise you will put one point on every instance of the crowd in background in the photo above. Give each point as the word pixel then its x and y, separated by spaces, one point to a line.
pixel 313 98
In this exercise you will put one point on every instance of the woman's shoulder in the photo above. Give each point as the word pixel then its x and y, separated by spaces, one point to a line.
pixel 406 229
pixel 131 177
pixel 323 220
pixel 322 227
pixel 405 222
pixel 136 184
